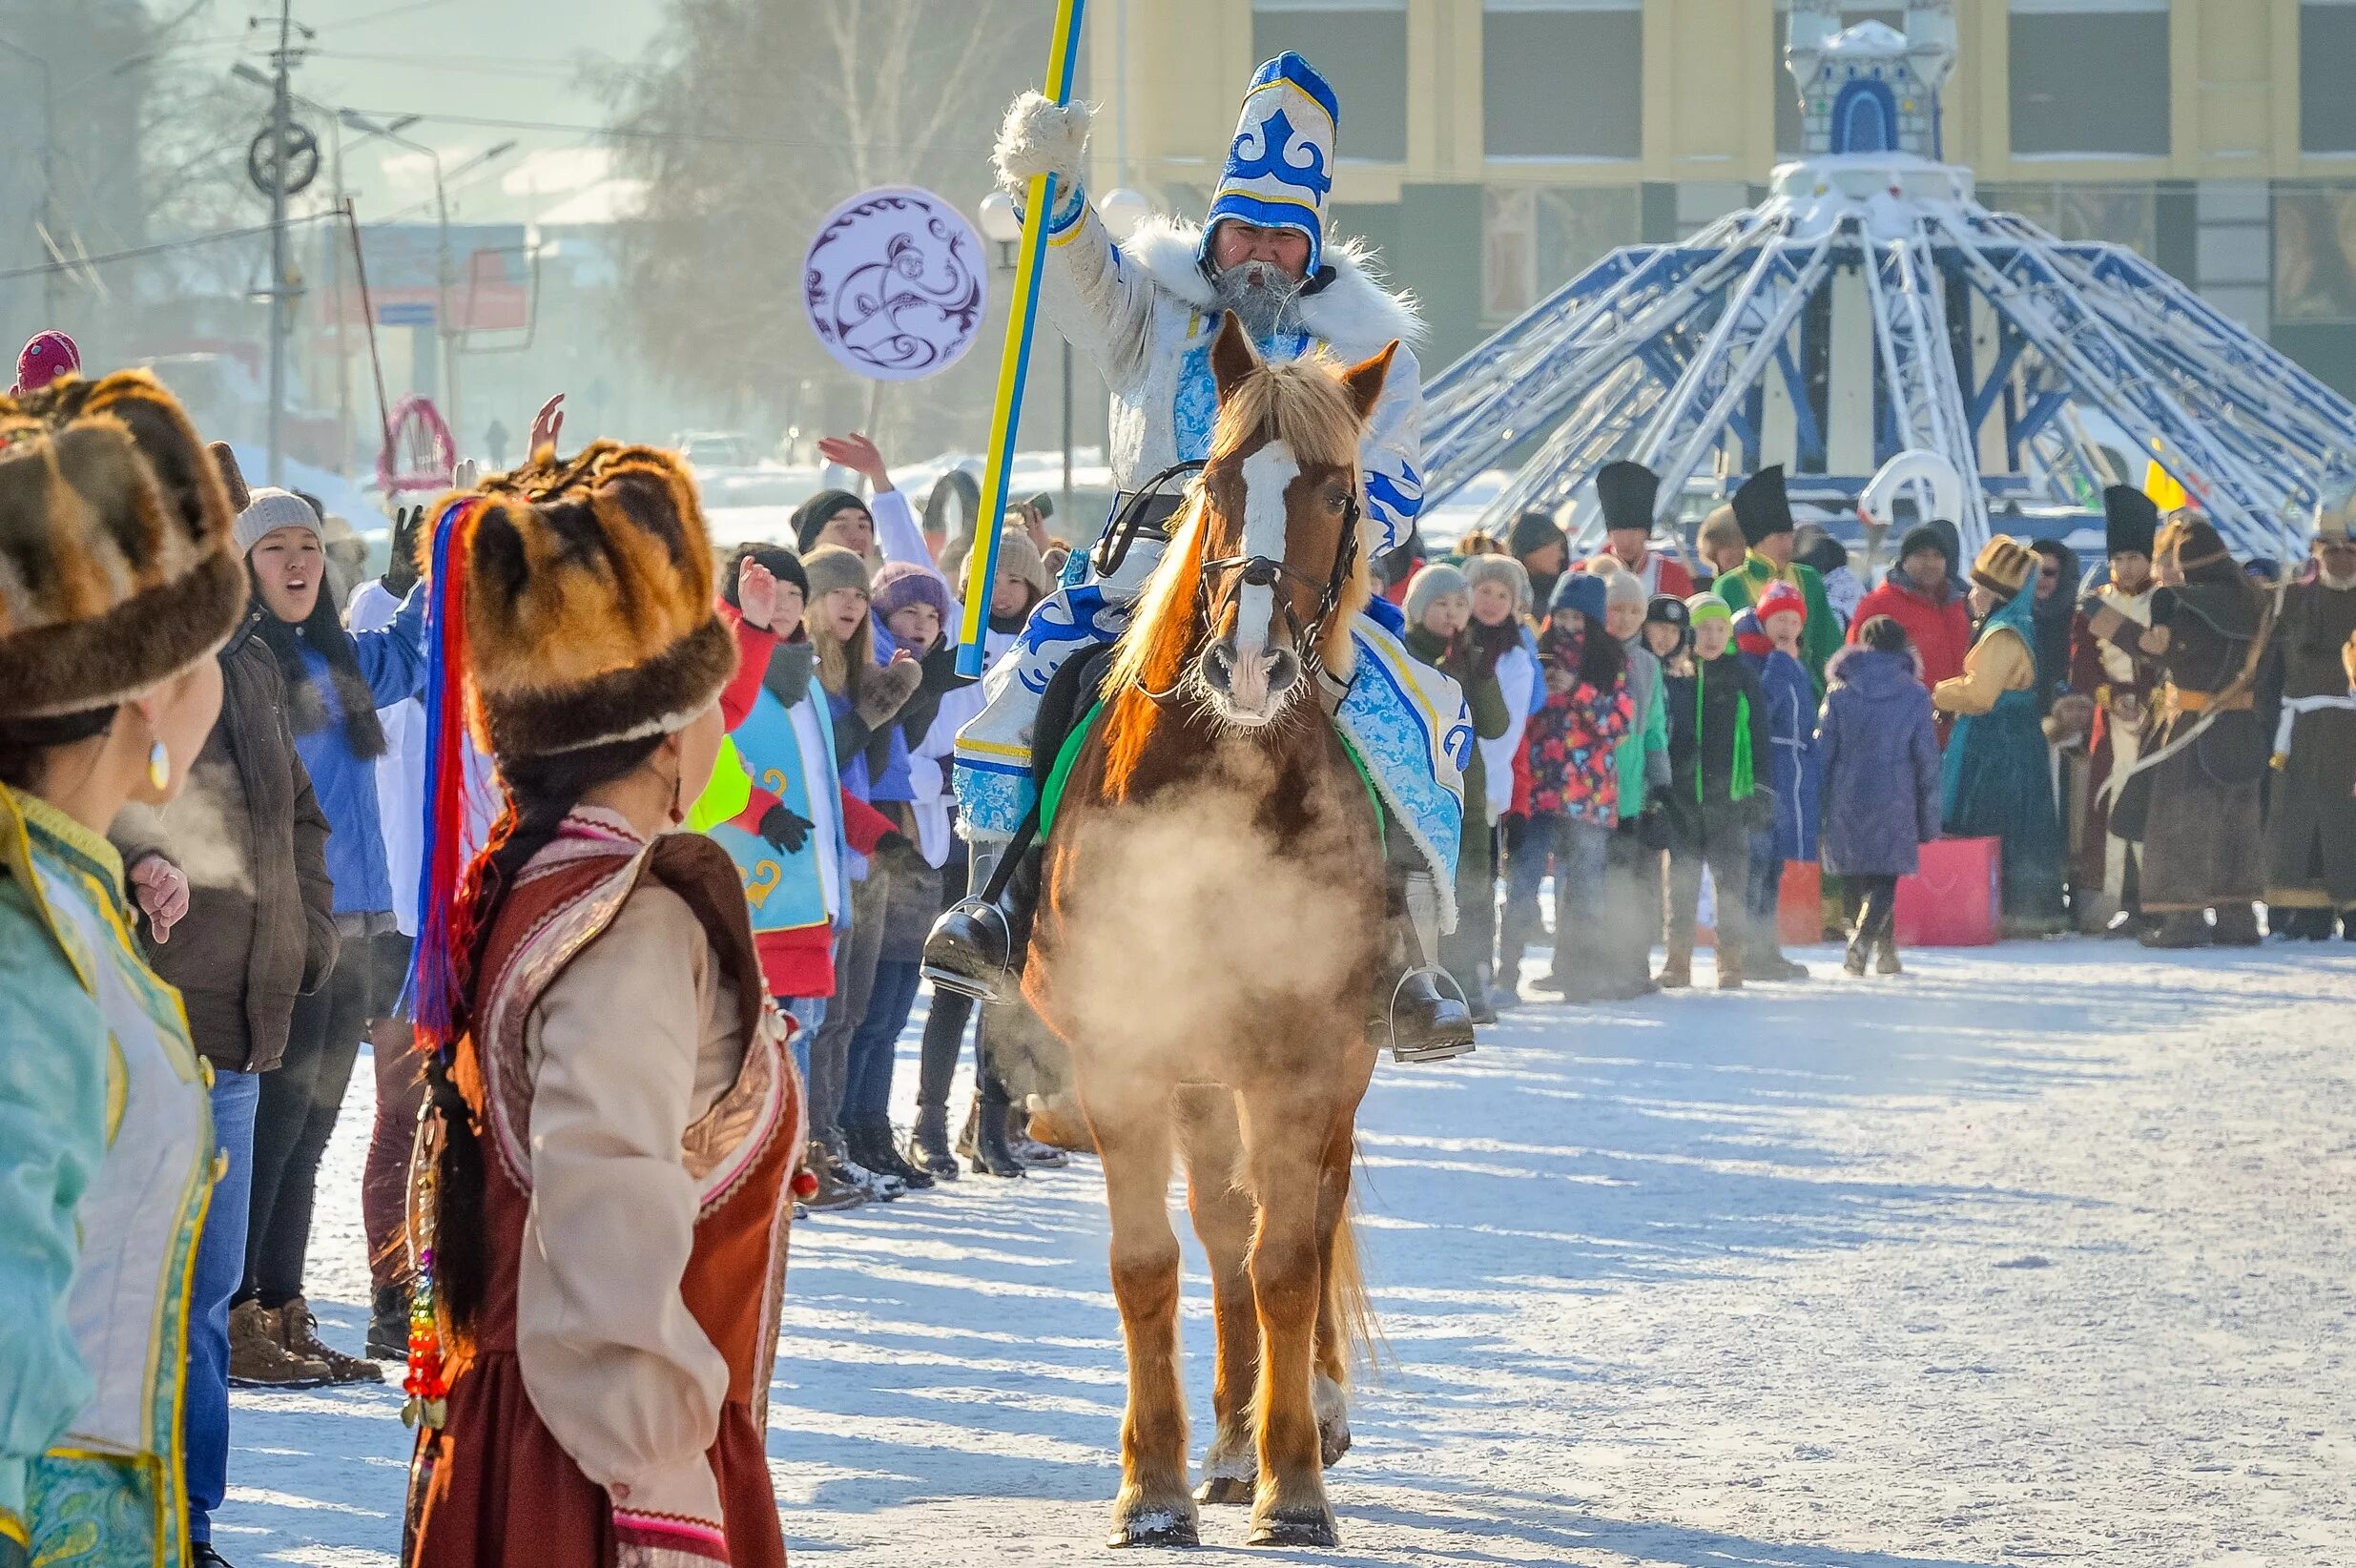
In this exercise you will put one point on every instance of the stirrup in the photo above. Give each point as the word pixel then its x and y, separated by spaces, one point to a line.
pixel 1437 1050
pixel 996 984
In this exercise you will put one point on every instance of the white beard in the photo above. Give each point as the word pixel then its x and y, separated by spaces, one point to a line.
pixel 1261 296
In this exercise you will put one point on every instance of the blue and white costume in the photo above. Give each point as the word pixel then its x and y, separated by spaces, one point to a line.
pixel 1147 314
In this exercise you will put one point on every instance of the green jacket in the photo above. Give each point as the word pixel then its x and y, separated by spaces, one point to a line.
pixel 1820 639
pixel 106 1132
pixel 1643 756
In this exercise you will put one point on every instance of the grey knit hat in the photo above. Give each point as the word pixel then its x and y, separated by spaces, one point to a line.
pixel 831 566
pixel 269 509
pixel 1432 582
pixel 1500 569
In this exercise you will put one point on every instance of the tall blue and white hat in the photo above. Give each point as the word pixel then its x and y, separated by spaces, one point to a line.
pixel 1280 166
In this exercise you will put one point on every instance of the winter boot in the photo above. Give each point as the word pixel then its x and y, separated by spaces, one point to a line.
pixel 388 1324
pixel 882 1187
pixel 977 946
pixel 874 1148
pixel 2237 927
pixel 2178 928
pixel 992 1155
pixel 257 1353
pixel 973 1125
pixel 928 1144
pixel 300 1335
pixel 1729 964
pixel 1853 961
pixel 201 1554
pixel 1677 969
pixel 834 1194
pixel 1421 1008
pixel 1886 957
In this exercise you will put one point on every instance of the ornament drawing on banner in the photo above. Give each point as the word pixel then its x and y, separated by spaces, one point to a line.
pixel 895 284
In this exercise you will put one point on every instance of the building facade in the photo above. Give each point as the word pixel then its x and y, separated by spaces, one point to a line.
pixel 2216 137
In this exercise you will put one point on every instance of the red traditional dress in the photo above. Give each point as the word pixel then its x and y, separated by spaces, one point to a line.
pixel 639 1119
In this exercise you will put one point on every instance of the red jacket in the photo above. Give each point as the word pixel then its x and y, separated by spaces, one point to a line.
pixel 1941 627
pixel 796 963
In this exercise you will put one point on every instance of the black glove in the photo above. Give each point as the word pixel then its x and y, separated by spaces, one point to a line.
pixel 895 851
pixel 400 572
pixel 785 828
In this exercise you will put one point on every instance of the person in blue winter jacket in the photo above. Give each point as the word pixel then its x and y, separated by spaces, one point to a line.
pixel 1879 744
pixel 335 682
pixel 1768 636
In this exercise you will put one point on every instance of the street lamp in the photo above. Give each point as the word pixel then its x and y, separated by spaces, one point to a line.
pixel 1124 210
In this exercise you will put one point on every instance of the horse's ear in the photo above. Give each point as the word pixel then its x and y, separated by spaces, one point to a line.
pixel 1232 357
pixel 1364 379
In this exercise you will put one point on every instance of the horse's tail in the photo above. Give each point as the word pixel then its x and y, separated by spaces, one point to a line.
pixel 1349 1307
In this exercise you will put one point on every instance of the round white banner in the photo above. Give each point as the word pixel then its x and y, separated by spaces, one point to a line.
pixel 895 284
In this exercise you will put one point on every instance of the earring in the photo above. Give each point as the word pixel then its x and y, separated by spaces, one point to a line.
pixel 159 766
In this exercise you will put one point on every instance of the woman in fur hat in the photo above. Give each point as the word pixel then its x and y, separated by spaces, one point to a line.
pixel 615 1114
pixel 1996 781
pixel 126 583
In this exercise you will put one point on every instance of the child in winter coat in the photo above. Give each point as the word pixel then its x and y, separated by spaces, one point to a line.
pixel 1718 734
pixel 1574 770
pixel 1439 610
pixel 1880 750
pixel 1506 646
pixel 1643 761
pixel 1768 636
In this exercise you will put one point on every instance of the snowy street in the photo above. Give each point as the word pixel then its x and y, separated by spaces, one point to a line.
pixel 2040 1252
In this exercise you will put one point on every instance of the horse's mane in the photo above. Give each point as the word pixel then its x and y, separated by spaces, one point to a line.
pixel 1303 404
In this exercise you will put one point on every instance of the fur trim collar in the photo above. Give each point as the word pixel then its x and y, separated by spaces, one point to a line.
pixel 1354 313
pixel 1837 671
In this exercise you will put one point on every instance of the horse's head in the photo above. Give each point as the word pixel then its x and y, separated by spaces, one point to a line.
pixel 1272 559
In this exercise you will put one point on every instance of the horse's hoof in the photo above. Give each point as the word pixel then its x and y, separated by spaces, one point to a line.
pixel 1155 1525
pixel 1307 1527
pixel 1227 1490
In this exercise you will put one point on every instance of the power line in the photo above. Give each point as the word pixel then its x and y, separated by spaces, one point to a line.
pixel 161 246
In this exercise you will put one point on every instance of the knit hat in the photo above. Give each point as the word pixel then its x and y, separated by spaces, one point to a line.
pixel 1668 609
pixel 1760 507
pixel 2130 521
pixel 831 566
pixel 2004 566
pixel 587 600
pixel 1625 492
pixel 1582 591
pixel 811 517
pixel 1924 537
pixel 1017 554
pixel 269 509
pixel 1436 581
pixel 1814 545
pixel 1620 586
pixel 1534 531
pixel 117 566
pixel 1500 569
pixel 903 584
pixel 783 565
pixel 1280 166
pixel 1778 598
pixel 49 355
pixel 1705 608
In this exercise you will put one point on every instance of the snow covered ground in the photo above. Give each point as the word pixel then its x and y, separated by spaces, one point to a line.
pixel 2041 1252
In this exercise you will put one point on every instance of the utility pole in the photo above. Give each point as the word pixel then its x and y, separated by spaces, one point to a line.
pixel 282 112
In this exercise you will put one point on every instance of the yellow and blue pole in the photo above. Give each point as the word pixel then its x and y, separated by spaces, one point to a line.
pixel 1014 363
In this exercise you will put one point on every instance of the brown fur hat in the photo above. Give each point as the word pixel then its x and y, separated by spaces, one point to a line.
pixel 2004 566
pixel 2192 539
pixel 589 602
pixel 117 562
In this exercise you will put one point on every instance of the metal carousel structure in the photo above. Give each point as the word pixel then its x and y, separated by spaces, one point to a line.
pixel 1874 329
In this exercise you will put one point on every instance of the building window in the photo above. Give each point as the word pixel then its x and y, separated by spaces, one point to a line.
pixel 2090 78
pixel 1563 78
pixel 1788 136
pixel 1362 49
pixel 2315 254
pixel 1535 238
pixel 2114 215
pixel 2327 45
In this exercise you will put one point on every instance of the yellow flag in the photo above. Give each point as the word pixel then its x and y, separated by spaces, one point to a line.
pixel 2164 491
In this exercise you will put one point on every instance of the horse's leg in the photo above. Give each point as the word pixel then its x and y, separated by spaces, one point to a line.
pixel 1133 1139
pixel 1223 1210
pixel 1340 1297
pixel 1284 1134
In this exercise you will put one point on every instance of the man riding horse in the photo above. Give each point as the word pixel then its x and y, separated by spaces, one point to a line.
pixel 1147 313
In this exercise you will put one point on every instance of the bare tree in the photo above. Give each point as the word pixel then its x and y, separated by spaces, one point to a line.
pixel 756 117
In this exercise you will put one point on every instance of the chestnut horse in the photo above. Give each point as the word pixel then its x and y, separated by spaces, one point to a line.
pixel 1209 932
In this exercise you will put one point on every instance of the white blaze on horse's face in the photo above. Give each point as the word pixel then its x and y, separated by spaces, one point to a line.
pixel 1267 474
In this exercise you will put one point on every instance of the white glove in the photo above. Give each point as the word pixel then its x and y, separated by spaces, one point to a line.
pixel 1041 136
